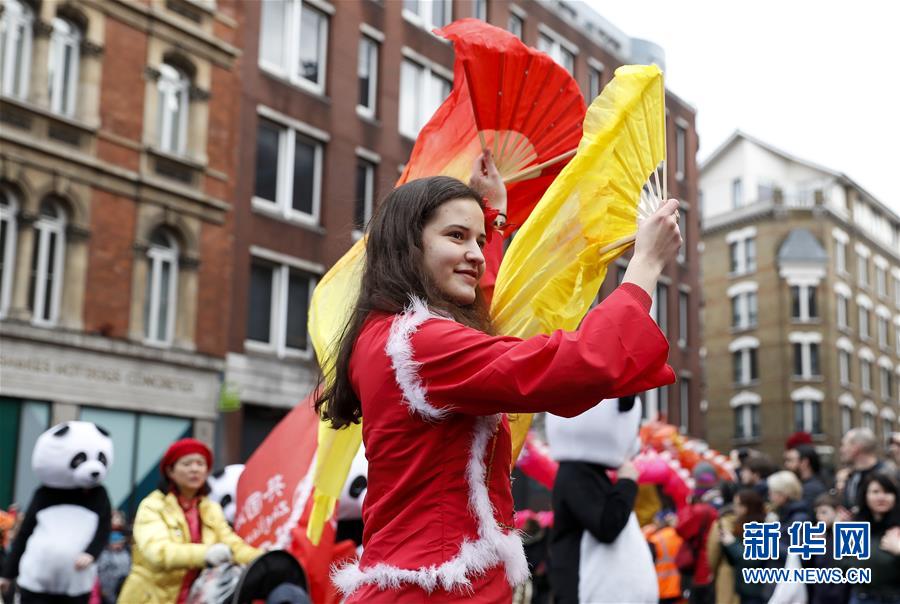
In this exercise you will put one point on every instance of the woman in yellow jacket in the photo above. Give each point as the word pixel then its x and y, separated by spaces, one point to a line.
pixel 178 531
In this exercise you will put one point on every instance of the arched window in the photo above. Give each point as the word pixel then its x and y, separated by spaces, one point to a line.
pixel 47 261
pixel 173 86
pixel 16 25
pixel 62 63
pixel 162 281
pixel 8 209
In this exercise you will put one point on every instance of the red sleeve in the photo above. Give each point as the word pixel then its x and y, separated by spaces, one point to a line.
pixel 618 350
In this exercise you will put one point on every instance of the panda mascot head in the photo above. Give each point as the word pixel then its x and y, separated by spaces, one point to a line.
pixel 607 434
pixel 72 455
pixel 223 488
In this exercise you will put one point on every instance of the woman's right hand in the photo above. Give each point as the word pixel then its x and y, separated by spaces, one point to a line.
pixel 218 553
pixel 657 242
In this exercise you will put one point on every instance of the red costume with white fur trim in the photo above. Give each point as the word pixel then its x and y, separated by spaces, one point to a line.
pixel 439 511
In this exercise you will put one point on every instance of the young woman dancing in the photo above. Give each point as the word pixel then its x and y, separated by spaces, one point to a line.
pixel 419 360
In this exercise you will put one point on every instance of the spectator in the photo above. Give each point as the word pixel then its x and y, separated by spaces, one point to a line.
pixel 894 450
pixel 859 449
pixel 786 497
pixel 803 460
pixel 694 523
pixel 664 545
pixel 722 570
pixel 826 510
pixel 879 507
pixel 113 566
pixel 748 507
pixel 754 473
pixel 178 530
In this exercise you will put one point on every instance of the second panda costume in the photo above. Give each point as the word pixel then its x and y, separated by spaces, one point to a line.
pixel 597 550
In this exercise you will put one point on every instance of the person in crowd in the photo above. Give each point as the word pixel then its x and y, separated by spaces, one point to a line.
pixel 859 450
pixel 879 506
pixel 749 506
pixel 755 472
pixel 803 460
pixel 786 499
pixel 695 521
pixel 722 570
pixel 826 510
pixel 113 566
pixel 419 362
pixel 178 530
pixel 664 545
pixel 894 450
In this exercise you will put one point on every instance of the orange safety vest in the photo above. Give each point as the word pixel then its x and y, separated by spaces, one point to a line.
pixel 666 543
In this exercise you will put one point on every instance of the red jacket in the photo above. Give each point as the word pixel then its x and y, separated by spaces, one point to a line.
pixel 439 512
pixel 694 523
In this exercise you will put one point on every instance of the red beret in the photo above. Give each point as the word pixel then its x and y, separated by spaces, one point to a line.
pixel 180 448
pixel 798 438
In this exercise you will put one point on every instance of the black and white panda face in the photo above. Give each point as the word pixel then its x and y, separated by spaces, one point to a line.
pixel 72 455
pixel 223 488
pixel 606 434
pixel 354 492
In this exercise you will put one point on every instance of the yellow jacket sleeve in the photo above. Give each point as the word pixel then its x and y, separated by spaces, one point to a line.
pixel 151 536
pixel 242 552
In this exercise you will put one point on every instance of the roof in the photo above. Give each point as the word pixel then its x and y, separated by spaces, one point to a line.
pixel 801 246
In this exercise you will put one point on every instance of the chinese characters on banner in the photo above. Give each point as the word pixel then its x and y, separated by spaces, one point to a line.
pixel 851 540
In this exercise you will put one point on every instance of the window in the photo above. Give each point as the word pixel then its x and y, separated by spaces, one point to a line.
pixel 843 311
pixel 737 193
pixel 806 359
pixel 864 322
pixel 174 103
pixel 421 92
pixel 746 421
pixel 294 41
pixel 744 310
pixel 595 82
pixel 844 367
pixel 659 310
pixel 840 256
pixel 882 329
pixel 365 192
pixel 808 416
pixel 278 308
pixel 655 401
pixel 846 419
pixel 558 50
pixel 47 262
pixel 886 383
pixel 367 73
pixel 868 420
pixel 683 227
pixel 684 395
pixel 16 25
pixel 162 282
pixel 744 366
pixel 803 303
pixel 683 320
pixel 480 10
pixel 742 255
pixel 288 172
pixel 881 281
pixel 8 210
pixel 862 270
pixel 865 374
pixel 887 428
pixel 680 152
pixel 515 25
pixel 896 291
pixel 62 66
pixel 428 13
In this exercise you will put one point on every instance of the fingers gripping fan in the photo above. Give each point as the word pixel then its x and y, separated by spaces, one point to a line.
pixel 553 270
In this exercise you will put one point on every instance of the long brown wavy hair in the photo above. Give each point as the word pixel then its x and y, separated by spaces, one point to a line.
pixel 394 272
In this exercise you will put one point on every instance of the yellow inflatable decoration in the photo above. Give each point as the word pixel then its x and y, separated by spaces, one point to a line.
pixel 551 274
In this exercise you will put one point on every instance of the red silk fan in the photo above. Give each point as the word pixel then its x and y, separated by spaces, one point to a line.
pixel 509 98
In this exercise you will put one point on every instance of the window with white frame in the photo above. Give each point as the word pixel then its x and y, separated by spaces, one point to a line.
pixel 515 25
pixel 421 92
pixel 846 419
pixel 367 75
pixel 885 382
pixel 744 306
pixel 865 374
pixel 843 311
pixel 428 14
pixel 160 304
pixel 480 10
pixel 881 327
pixel 897 336
pixel 684 304
pixel 659 309
pixel 173 88
pixel 840 256
pixel 806 355
pixel 881 281
pixel 862 270
pixel 803 303
pixel 808 416
pixel 737 193
pixel 746 421
pixel 288 178
pixel 47 261
pixel 294 41
pixel 868 420
pixel 864 322
pixel 16 25
pixel 742 253
pixel 559 51
pixel 684 398
pixel 278 308
pixel 680 152
pixel 595 81
pixel 844 367
pixel 683 227
pixel 62 66
pixel 654 401
pixel 9 208
pixel 745 368
pixel 887 428
pixel 365 193
pixel 896 281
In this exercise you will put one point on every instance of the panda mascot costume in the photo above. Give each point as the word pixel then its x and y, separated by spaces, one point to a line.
pixel 597 550
pixel 223 489
pixel 67 524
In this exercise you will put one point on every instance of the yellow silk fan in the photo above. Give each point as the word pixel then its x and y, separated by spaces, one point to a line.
pixel 557 261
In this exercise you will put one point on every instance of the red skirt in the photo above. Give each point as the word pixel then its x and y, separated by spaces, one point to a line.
pixel 492 588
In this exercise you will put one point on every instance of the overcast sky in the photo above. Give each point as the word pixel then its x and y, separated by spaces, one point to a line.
pixel 819 80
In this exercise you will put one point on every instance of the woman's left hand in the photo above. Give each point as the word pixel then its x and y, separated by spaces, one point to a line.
pixel 487 181
pixel 891 541
pixel 83 560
